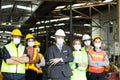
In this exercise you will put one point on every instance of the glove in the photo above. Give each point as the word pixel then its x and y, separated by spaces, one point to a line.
pixel 38 65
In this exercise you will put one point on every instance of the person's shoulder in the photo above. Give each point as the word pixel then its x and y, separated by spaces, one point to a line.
pixel 103 52
pixel 52 46
pixel 66 46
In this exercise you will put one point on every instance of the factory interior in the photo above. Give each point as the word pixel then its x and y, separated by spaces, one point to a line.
pixel 76 17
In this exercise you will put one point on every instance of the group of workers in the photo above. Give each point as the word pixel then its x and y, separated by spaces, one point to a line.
pixel 23 62
pixel 81 63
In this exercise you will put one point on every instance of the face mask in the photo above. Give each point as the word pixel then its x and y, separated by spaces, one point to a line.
pixel 87 43
pixel 60 41
pixel 77 47
pixel 31 44
pixel 16 40
pixel 97 45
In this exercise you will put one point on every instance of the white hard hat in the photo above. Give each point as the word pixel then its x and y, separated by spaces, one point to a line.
pixel 85 37
pixel 60 32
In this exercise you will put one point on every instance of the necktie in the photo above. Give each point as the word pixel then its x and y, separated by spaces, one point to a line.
pixel 60 48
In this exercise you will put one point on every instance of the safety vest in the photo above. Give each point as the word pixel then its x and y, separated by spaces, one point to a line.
pixel 32 66
pixel 79 72
pixel 14 52
pixel 40 69
pixel 79 57
pixel 96 57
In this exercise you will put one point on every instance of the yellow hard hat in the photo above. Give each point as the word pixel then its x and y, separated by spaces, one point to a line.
pixel 16 32
pixel 97 37
pixel 36 43
pixel 28 36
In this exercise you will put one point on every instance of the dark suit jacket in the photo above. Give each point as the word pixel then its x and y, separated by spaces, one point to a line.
pixel 61 68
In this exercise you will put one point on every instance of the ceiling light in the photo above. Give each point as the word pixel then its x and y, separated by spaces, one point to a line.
pixel 9 23
pixel 3 23
pixel 67 32
pixel 80 4
pixel 18 26
pixel 42 27
pixel 24 7
pixel 1 31
pixel 7 32
pixel 38 22
pixel 62 19
pixel 60 7
pixel 108 0
pixel 33 8
pixel 86 24
pixel 52 37
pixel 6 6
pixel 78 16
pixel 79 35
pixel 61 24
pixel 5 41
pixel 54 20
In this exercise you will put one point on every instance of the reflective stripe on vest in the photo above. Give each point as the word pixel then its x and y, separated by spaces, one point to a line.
pixel 32 66
pixel 40 69
pixel 14 52
pixel 97 57
pixel 35 54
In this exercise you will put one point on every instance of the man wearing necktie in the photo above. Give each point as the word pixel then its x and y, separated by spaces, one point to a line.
pixel 59 55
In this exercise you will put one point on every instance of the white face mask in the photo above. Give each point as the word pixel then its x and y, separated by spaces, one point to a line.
pixel 97 45
pixel 31 44
pixel 60 41
pixel 16 40
pixel 87 43
pixel 77 47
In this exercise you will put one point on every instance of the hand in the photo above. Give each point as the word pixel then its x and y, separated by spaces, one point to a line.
pixel 55 60
pixel 82 64
pixel 38 65
pixel 94 62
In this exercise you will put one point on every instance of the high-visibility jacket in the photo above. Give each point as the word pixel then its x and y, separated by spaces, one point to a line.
pixel 79 73
pixel 84 49
pixel 96 57
pixel 14 52
pixel 40 69
pixel 32 66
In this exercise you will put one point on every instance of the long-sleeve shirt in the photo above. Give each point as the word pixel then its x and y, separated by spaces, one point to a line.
pixel 42 62
pixel 98 64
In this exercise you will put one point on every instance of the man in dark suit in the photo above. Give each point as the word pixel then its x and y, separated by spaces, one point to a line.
pixel 59 55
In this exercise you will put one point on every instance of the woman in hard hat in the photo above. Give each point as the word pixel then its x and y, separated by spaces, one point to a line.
pixel 31 69
pixel 41 62
pixel 87 42
pixel 97 60
pixel 87 46
pixel 80 62
pixel 14 57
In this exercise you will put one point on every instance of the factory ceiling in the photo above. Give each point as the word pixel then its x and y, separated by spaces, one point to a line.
pixel 42 16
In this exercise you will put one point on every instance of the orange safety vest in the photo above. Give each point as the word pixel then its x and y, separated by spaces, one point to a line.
pixel 96 57
pixel 32 66
pixel 40 69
